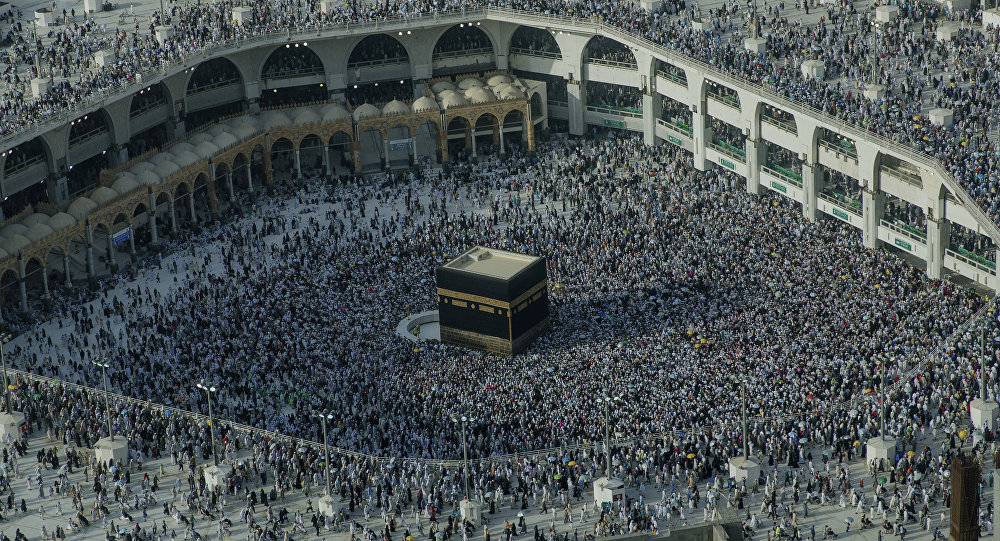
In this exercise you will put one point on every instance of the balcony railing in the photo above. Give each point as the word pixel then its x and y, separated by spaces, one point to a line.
pixel 906 176
pixel 677 77
pixel 613 63
pixel 15 169
pixel 786 175
pixel 971 258
pixel 851 205
pixel 729 100
pixel 729 150
pixel 309 71
pixel 786 125
pixel 380 62
pixel 906 230
pixel 617 111
pixel 213 86
pixel 147 107
pixel 463 52
pixel 844 147
pixel 554 55
pixel 86 136
pixel 676 126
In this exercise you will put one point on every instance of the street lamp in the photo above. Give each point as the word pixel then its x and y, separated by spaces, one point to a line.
pixel 465 449
pixel 209 389
pixel 323 417
pixel 4 338
pixel 607 400
pixel 103 363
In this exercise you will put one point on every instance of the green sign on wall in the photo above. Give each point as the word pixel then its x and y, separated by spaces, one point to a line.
pixel 675 140
pixel 778 186
pixel 614 123
pixel 841 214
pixel 904 245
pixel 726 163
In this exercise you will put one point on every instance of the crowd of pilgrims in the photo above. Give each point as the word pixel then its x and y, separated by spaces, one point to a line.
pixel 672 281
pixel 918 71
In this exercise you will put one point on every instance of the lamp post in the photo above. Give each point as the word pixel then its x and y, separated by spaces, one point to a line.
pixel 209 389
pixel 326 449
pixel 103 364
pixel 4 338
pixel 465 449
pixel 607 427
pixel 743 414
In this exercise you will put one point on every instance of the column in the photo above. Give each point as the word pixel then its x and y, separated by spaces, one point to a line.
pixel 20 284
pixel 444 146
pixel 754 149
pixel 249 178
pixel 154 235
pixel 356 153
pixel 873 207
pixel 298 164
pixel 385 146
pixel 131 241
pixel 45 282
pixel 472 131
pixel 111 251
pixel 66 271
pixel 194 217
pixel 502 151
pixel 173 216
pixel 576 96
pixel 650 112
pixel 702 134
pixel 90 252
pixel 229 186
pixel 810 192
pixel 326 161
pixel 938 238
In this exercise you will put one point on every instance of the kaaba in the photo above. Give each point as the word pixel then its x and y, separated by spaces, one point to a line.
pixel 493 300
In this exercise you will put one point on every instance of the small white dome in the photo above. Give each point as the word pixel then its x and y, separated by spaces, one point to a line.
pixel 335 112
pixel 441 86
pixel 225 140
pixel 149 178
pixel 498 79
pixel 61 220
pixel 470 82
pixel 306 115
pixel 124 185
pixel 182 146
pixel 243 131
pixel 480 95
pixel 102 195
pixel 206 149
pixel 395 107
pixel 366 111
pixel 511 93
pixel 38 232
pixel 185 158
pixel 454 100
pixel 142 166
pixel 13 229
pixel 425 104
pixel 274 119
pixel 218 129
pixel 200 138
pixel 36 218
pixel 14 243
pixel 160 157
pixel 166 169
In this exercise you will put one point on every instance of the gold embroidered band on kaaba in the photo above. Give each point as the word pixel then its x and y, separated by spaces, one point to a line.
pixel 492 302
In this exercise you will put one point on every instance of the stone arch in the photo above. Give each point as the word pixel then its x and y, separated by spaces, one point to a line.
pixel 394 155
pixel 372 147
pixel 99 119
pixel 25 155
pixel 292 60
pixel 514 127
pixel 459 135
pixel 535 39
pixel 602 48
pixel 427 140
pixel 282 153
pixel 154 93
pixel 212 72
pixel 311 154
pixel 487 131
pixel 368 50
pixel 340 145
pixel 473 33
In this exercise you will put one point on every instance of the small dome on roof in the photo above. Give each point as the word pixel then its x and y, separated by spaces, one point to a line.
pixel 498 79
pixel 149 178
pixel 102 195
pixel 497 89
pixel 200 137
pixel 454 100
pixel 166 168
pixel 441 86
pixel 36 218
pixel 243 131
pixel 470 82
pixel 225 140
pixel 14 243
pixel 3 254
pixel 480 95
pixel 38 232
pixel 274 119
pixel 13 229
pixel 510 93
pixel 124 185
pixel 441 96
pixel 206 149
pixel 252 121
pixel 395 107
pixel 424 104
pixel 183 145
pixel 61 220
pixel 218 129
pixel 306 115
pixel 335 112
pixel 142 166
pixel 366 110
pixel 80 208
pixel 160 157
pixel 185 158
pixel 127 174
